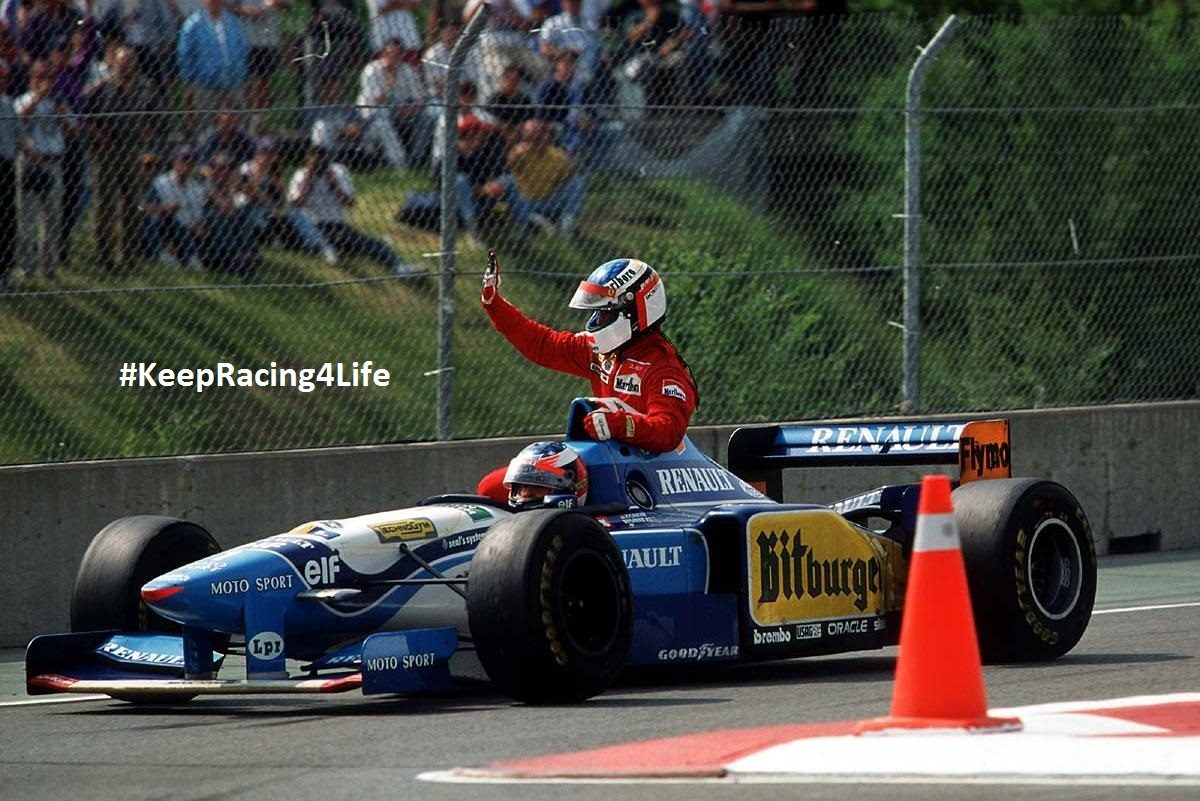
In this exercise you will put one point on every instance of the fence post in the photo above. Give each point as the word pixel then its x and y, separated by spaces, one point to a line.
pixel 912 208
pixel 449 221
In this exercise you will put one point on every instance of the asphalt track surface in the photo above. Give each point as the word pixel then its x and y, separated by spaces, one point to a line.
pixel 347 746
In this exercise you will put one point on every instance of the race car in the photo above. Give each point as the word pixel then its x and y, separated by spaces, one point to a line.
pixel 673 559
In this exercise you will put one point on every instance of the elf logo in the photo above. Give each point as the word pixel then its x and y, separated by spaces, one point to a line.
pixel 630 384
pixel 323 570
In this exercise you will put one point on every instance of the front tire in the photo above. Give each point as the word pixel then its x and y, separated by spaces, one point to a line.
pixel 1031 567
pixel 126 554
pixel 550 607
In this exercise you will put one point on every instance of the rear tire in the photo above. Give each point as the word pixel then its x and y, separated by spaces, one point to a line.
pixel 1031 567
pixel 126 554
pixel 550 607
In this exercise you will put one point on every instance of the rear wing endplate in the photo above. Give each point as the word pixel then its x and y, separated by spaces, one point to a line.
pixel 980 448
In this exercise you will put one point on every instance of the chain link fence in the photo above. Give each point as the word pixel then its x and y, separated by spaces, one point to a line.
pixel 290 222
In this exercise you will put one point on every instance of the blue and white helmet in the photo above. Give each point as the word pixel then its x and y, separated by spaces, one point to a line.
pixel 627 297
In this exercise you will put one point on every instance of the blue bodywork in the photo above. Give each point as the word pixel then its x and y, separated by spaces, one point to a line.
pixel 374 594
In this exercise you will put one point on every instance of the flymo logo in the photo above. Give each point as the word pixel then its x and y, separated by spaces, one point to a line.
pixel 810 564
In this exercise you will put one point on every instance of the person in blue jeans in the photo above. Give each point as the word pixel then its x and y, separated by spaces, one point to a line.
pixel 541 185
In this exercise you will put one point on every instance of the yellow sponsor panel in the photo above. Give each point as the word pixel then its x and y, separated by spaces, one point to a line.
pixel 304 528
pixel 813 564
pixel 419 528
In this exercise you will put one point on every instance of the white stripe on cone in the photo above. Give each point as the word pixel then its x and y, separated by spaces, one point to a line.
pixel 936 533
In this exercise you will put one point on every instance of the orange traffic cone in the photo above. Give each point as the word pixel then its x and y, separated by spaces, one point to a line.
pixel 939 677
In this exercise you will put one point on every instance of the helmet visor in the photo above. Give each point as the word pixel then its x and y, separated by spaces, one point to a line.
pixel 603 318
pixel 592 296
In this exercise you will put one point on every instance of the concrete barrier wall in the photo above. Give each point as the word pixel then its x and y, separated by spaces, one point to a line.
pixel 1130 466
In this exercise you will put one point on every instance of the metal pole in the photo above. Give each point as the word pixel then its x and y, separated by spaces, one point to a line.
pixel 449 222
pixel 912 208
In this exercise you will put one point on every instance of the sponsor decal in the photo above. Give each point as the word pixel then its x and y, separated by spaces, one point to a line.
pixel 808 631
pixel 771 636
pixel 880 623
pixel 269 583
pixel 420 528
pixel 405 662
pixel 322 570
pixel 673 390
pixel 859 626
pixel 750 489
pixel 698 653
pixel 466 540
pixel 624 277
pixel 176 578
pixel 629 383
pixel 265 645
pixel 305 528
pixel 885 438
pixel 228 587
pixel 144 657
pixel 681 480
pixel 812 564
pixel 333 524
pixel 604 364
pixel 984 456
pixel 474 512
pixel 863 501
pixel 649 558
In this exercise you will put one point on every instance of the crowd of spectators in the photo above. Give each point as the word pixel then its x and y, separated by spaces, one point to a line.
pixel 158 115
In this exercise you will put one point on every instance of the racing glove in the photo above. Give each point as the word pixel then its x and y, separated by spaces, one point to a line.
pixel 491 280
pixel 614 418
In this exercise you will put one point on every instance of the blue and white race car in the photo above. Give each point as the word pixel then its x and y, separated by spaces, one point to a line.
pixel 674 559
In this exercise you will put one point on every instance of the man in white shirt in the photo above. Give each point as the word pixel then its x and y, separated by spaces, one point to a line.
pixel 179 212
pixel 390 107
pixel 41 146
pixel 322 189
pixel 570 31
pixel 393 19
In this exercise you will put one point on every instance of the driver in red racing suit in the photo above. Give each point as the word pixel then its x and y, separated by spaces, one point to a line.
pixel 645 391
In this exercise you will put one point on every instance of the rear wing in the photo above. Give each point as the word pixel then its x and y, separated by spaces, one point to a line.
pixel 980 448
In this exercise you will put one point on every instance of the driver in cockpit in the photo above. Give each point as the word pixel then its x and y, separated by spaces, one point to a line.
pixel 547 473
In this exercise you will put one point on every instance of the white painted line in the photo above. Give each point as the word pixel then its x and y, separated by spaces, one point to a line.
pixel 57 699
pixel 1143 608
pixel 453 777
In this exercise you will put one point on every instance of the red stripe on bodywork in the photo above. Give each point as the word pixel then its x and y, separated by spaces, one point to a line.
pixel 52 681
pixel 157 594
pixel 344 684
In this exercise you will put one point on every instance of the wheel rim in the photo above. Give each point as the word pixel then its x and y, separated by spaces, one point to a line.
pixel 589 603
pixel 1055 568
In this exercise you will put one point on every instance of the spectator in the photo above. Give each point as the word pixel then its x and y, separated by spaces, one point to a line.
pixel 322 188
pixel 560 100
pixel 211 56
pixel 541 184
pixel 332 40
pixel 274 220
pixel 570 31
pixel 389 106
pixel 393 20
pixel 53 21
pixel 480 160
pixel 151 27
pixel 9 134
pixel 468 103
pixel 436 62
pixel 262 18
pixel 18 70
pixel 72 59
pixel 652 52
pixel 510 105
pixel 119 126
pixel 229 243
pixel 150 242
pixel 42 146
pixel 227 137
pixel 179 212
pixel 505 40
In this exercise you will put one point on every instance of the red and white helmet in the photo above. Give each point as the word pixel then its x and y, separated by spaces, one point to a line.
pixel 626 296
pixel 553 465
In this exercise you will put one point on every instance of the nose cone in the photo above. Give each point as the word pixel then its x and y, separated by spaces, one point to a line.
pixel 208 594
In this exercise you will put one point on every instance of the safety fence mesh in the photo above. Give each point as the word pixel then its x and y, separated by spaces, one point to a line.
pixel 288 222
